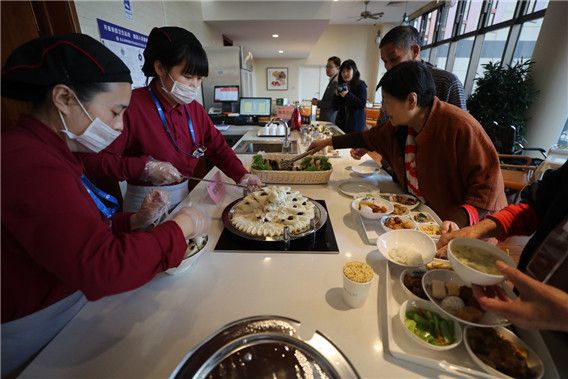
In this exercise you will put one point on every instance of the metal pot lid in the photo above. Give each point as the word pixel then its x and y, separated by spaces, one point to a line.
pixel 264 347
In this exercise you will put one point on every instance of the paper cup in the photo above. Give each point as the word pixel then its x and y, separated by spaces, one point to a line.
pixel 357 279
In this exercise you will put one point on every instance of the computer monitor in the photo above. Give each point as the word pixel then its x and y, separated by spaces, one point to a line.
pixel 224 94
pixel 255 106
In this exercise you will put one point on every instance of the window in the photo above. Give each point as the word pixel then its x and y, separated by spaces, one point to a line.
pixel 463 56
pixel 527 40
pixel 442 55
pixel 417 22
pixel 430 27
pixel 501 10
pixel 425 54
pixel 535 6
pixel 448 26
pixel 491 50
pixel 471 12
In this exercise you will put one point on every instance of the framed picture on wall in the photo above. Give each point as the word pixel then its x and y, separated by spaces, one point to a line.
pixel 277 78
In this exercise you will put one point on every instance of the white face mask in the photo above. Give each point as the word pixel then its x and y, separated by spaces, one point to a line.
pixel 182 93
pixel 96 137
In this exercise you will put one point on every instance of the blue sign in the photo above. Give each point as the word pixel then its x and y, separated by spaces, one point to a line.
pixel 128 9
pixel 119 34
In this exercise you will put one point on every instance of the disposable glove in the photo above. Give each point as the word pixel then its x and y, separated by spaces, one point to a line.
pixel 153 207
pixel 192 221
pixel 161 173
pixel 251 181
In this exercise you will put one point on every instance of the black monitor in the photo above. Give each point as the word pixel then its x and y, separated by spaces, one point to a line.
pixel 255 106
pixel 228 96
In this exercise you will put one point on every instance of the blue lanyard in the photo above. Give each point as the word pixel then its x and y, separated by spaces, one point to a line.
pixel 96 194
pixel 200 151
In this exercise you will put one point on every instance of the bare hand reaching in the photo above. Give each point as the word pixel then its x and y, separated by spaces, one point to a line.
pixel 358 153
pixel 540 306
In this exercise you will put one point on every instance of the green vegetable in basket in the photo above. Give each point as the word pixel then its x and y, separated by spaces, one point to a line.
pixel 259 163
pixel 315 164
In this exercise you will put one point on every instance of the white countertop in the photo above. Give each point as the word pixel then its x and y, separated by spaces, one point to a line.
pixel 146 332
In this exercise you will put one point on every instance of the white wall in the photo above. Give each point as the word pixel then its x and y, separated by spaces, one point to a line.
pixel 345 41
pixel 550 110
pixel 146 15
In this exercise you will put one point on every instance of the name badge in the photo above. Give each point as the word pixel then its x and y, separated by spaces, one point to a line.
pixel 199 152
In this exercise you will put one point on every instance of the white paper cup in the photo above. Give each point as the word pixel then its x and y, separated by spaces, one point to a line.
pixel 354 292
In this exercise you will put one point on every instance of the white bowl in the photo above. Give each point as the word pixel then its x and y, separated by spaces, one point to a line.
pixel 189 259
pixel 364 170
pixel 423 227
pixel 377 200
pixel 406 290
pixel 393 198
pixel 405 210
pixel 387 229
pixel 469 274
pixel 426 305
pixel 533 360
pixel 428 217
pixel 407 239
pixel 448 276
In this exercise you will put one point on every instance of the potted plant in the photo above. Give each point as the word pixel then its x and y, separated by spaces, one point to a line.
pixel 501 100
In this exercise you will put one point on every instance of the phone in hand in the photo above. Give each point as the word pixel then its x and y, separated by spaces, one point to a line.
pixel 341 87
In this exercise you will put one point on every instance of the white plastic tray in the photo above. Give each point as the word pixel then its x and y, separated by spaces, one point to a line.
pixel 373 228
pixel 456 361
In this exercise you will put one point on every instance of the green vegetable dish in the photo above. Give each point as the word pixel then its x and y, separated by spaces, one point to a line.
pixel 307 164
pixel 430 327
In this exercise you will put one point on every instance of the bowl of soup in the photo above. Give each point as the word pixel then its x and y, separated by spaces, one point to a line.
pixel 474 261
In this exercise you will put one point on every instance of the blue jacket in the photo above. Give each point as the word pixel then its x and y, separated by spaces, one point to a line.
pixel 351 109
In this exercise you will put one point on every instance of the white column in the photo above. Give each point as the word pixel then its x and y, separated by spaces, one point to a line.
pixel 550 110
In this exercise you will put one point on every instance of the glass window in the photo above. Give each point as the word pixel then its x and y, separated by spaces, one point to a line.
pixel 471 14
pixel 527 40
pixel 491 50
pixel 563 139
pixel 446 30
pixel 535 6
pixel 430 27
pixel 417 22
pixel 501 10
pixel 425 54
pixel 442 55
pixel 463 56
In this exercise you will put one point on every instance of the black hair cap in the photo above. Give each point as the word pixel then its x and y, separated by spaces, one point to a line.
pixel 408 77
pixel 70 59
pixel 171 46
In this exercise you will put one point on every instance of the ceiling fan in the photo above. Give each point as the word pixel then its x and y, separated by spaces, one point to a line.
pixel 366 15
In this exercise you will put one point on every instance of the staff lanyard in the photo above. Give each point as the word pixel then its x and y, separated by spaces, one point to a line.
pixel 96 194
pixel 199 151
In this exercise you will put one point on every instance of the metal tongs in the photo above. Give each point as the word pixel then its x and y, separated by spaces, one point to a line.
pixel 287 164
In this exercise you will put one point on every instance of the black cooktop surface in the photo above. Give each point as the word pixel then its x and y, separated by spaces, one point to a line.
pixel 321 242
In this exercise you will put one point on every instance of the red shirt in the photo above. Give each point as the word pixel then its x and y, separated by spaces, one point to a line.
pixel 144 135
pixel 55 241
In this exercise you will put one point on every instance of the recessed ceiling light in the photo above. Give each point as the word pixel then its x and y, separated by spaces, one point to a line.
pixel 280 51
pixel 275 36
pixel 335 0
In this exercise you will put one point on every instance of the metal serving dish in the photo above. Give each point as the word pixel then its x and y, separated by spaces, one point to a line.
pixel 264 347
pixel 318 221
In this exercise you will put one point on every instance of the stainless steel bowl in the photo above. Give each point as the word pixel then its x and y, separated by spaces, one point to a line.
pixel 264 347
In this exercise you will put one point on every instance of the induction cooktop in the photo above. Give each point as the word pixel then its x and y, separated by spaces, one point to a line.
pixel 321 242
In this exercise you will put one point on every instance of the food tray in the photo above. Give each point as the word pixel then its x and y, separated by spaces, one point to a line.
pixel 373 228
pixel 290 177
pixel 319 220
pixel 456 361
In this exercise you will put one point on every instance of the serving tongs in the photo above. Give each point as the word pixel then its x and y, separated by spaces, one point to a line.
pixel 288 164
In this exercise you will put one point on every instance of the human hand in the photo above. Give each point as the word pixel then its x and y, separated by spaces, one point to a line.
pixel 540 306
pixel 314 101
pixel 320 144
pixel 344 93
pixel 192 221
pixel 446 229
pixel 251 181
pixel 358 153
pixel 161 173
pixel 154 205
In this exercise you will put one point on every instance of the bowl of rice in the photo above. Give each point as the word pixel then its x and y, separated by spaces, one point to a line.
pixel 407 248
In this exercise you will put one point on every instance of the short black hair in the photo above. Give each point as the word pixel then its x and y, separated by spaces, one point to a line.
pixel 349 64
pixel 336 61
pixel 171 46
pixel 408 77
pixel 402 36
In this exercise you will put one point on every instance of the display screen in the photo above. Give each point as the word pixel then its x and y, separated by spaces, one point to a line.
pixel 255 106
pixel 226 93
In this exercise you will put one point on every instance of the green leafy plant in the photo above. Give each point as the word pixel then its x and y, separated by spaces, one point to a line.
pixel 504 94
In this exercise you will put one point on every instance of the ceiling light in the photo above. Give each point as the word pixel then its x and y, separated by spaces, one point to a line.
pixel 275 36
pixel 280 51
